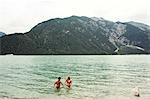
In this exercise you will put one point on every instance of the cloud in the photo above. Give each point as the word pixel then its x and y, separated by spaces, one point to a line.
pixel 22 15
pixel 141 17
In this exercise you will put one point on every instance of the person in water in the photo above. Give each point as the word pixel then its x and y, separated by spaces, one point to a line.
pixel 58 83
pixel 68 82
pixel 136 91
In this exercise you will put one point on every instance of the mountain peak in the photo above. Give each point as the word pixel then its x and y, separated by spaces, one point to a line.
pixel 97 18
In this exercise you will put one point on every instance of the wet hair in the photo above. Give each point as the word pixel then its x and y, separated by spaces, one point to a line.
pixel 59 78
pixel 69 78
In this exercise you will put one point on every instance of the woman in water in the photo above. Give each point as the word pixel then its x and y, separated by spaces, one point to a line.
pixel 58 83
pixel 68 82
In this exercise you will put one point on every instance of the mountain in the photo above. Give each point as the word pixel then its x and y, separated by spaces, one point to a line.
pixel 79 35
pixel 2 34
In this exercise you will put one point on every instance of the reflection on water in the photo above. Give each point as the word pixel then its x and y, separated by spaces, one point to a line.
pixel 94 77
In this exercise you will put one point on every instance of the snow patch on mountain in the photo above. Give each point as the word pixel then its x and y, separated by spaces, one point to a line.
pixel 135 47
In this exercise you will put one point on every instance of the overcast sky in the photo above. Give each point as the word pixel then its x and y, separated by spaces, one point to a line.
pixel 21 15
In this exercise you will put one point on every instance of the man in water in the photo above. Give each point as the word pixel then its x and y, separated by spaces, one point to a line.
pixel 68 82
pixel 58 83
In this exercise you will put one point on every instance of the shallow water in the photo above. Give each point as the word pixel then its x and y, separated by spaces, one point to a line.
pixel 94 77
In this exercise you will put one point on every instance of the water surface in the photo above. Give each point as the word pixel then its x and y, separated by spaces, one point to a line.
pixel 94 77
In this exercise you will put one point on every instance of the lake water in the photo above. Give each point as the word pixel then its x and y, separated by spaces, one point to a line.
pixel 94 77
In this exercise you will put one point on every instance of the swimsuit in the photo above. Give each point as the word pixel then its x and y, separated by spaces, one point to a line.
pixel 68 83
pixel 57 84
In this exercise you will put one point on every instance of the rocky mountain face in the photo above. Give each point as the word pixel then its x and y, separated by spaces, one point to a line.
pixel 79 35
pixel 2 34
pixel 129 37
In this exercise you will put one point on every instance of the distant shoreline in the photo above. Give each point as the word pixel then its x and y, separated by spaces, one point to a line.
pixel 69 54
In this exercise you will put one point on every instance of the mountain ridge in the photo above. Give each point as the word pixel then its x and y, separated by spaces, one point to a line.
pixel 80 35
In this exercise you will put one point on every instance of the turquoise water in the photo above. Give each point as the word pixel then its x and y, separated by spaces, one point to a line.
pixel 94 77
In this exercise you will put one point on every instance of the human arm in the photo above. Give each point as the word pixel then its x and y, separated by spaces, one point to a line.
pixel 61 83
pixel 55 84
